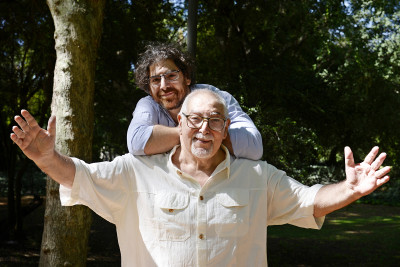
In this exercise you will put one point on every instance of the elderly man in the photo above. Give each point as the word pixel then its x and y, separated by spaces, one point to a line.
pixel 191 206
pixel 167 75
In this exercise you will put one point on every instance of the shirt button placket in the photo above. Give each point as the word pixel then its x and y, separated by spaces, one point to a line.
pixel 201 231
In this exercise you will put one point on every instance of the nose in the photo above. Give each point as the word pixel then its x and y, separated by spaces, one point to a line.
pixel 204 127
pixel 163 83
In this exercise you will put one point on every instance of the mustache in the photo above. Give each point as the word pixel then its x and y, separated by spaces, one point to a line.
pixel 201 136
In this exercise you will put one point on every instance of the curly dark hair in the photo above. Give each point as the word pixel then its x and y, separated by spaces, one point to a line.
pixel 156 52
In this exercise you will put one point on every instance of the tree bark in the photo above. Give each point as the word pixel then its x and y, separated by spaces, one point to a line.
pixel 192 28
pixel 78 27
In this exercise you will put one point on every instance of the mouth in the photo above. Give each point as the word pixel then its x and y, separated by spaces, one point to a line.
pixel 168 94
pixel 202 140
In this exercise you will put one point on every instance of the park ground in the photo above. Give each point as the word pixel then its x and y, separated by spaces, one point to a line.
pixel 358 235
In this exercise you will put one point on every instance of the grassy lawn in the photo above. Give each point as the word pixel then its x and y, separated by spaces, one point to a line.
pixel 358 235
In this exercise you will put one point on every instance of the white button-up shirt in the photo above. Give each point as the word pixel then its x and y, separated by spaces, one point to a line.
pixel 164 217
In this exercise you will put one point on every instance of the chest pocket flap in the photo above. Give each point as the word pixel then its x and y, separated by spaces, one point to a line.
pixel 172 216
pixel 174 201
pixel 234 198
pixel 232 213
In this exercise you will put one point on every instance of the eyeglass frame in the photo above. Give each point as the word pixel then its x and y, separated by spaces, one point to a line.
pixel 202 121
pixel 163 75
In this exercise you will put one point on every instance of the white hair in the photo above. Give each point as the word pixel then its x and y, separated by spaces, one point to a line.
pixel 217 96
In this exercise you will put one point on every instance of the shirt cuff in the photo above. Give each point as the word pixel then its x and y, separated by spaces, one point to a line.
pixel 68 196
pixel 309 221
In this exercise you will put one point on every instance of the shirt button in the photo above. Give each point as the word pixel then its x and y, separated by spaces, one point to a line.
pixel 171 210
pixel 201 236
pixel 201 197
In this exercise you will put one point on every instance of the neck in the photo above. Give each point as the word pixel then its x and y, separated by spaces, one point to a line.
pixel 200 169
pixel 174 114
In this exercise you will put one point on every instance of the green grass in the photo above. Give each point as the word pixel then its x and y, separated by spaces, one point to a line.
pixel 358 235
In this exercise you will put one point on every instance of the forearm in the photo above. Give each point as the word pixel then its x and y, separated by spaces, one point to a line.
pixel 58 167
pixel 246 142
pixel 162 139
pixel 333 197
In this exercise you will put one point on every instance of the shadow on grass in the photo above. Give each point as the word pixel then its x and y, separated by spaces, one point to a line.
pixel 358 235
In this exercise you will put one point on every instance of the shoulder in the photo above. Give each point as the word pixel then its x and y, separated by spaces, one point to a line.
pixel 256 167
pixel 147 100
pixel 147 105
pixel 224 94
pixel 145 164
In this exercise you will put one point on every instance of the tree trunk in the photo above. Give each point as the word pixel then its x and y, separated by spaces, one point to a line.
pixel 78 26
pixel 192 28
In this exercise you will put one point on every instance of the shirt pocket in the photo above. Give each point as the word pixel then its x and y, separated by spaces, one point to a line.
pixel 232 212
pixel 172 216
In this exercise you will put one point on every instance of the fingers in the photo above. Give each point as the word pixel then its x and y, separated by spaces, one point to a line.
pixel 348 157
pixel 382 172
pixel 371 155
pixel 15 139
pixel 382 181
pixel 18 132
pixel 378 161
pixel 27 123
pixel 51 127
pixel 29 119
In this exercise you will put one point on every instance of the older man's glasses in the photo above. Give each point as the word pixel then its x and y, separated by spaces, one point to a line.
pixel 170 76
pixel 196 122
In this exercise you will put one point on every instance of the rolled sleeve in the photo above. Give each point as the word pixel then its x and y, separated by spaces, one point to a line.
pixel 138 133
pixel 291 202
pixel 308 220
pixel 103 186
pixel 69 196
pixel 146 114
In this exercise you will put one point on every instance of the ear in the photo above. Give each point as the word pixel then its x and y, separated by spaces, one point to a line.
pixel 180 123
pixel 227 123
pixel 188 81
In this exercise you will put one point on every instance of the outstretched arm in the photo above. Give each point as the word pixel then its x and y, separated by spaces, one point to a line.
pixel 361 180
pixel 39 145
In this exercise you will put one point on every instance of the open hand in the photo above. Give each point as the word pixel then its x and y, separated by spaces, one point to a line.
pixel 367 176
pixel 36 143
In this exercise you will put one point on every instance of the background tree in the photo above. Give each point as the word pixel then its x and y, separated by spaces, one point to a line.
pixel 314 76
pixel 26 74
pixel 78 27
pixel 128 26
pixel 192 27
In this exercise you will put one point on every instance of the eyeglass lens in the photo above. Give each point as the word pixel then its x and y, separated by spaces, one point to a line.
pixel 216 124
pixel 169 76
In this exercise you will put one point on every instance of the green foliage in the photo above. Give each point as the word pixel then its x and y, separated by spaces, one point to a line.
pixel 27 61
pixel 128 25
pixel 315 76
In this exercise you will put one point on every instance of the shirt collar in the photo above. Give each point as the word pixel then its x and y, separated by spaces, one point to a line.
pixel 225 164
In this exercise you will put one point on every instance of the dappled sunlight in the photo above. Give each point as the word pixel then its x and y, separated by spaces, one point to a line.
pixel 352 236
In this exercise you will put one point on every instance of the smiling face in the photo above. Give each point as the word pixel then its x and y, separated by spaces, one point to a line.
pixel 169 94
pixel 202 143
